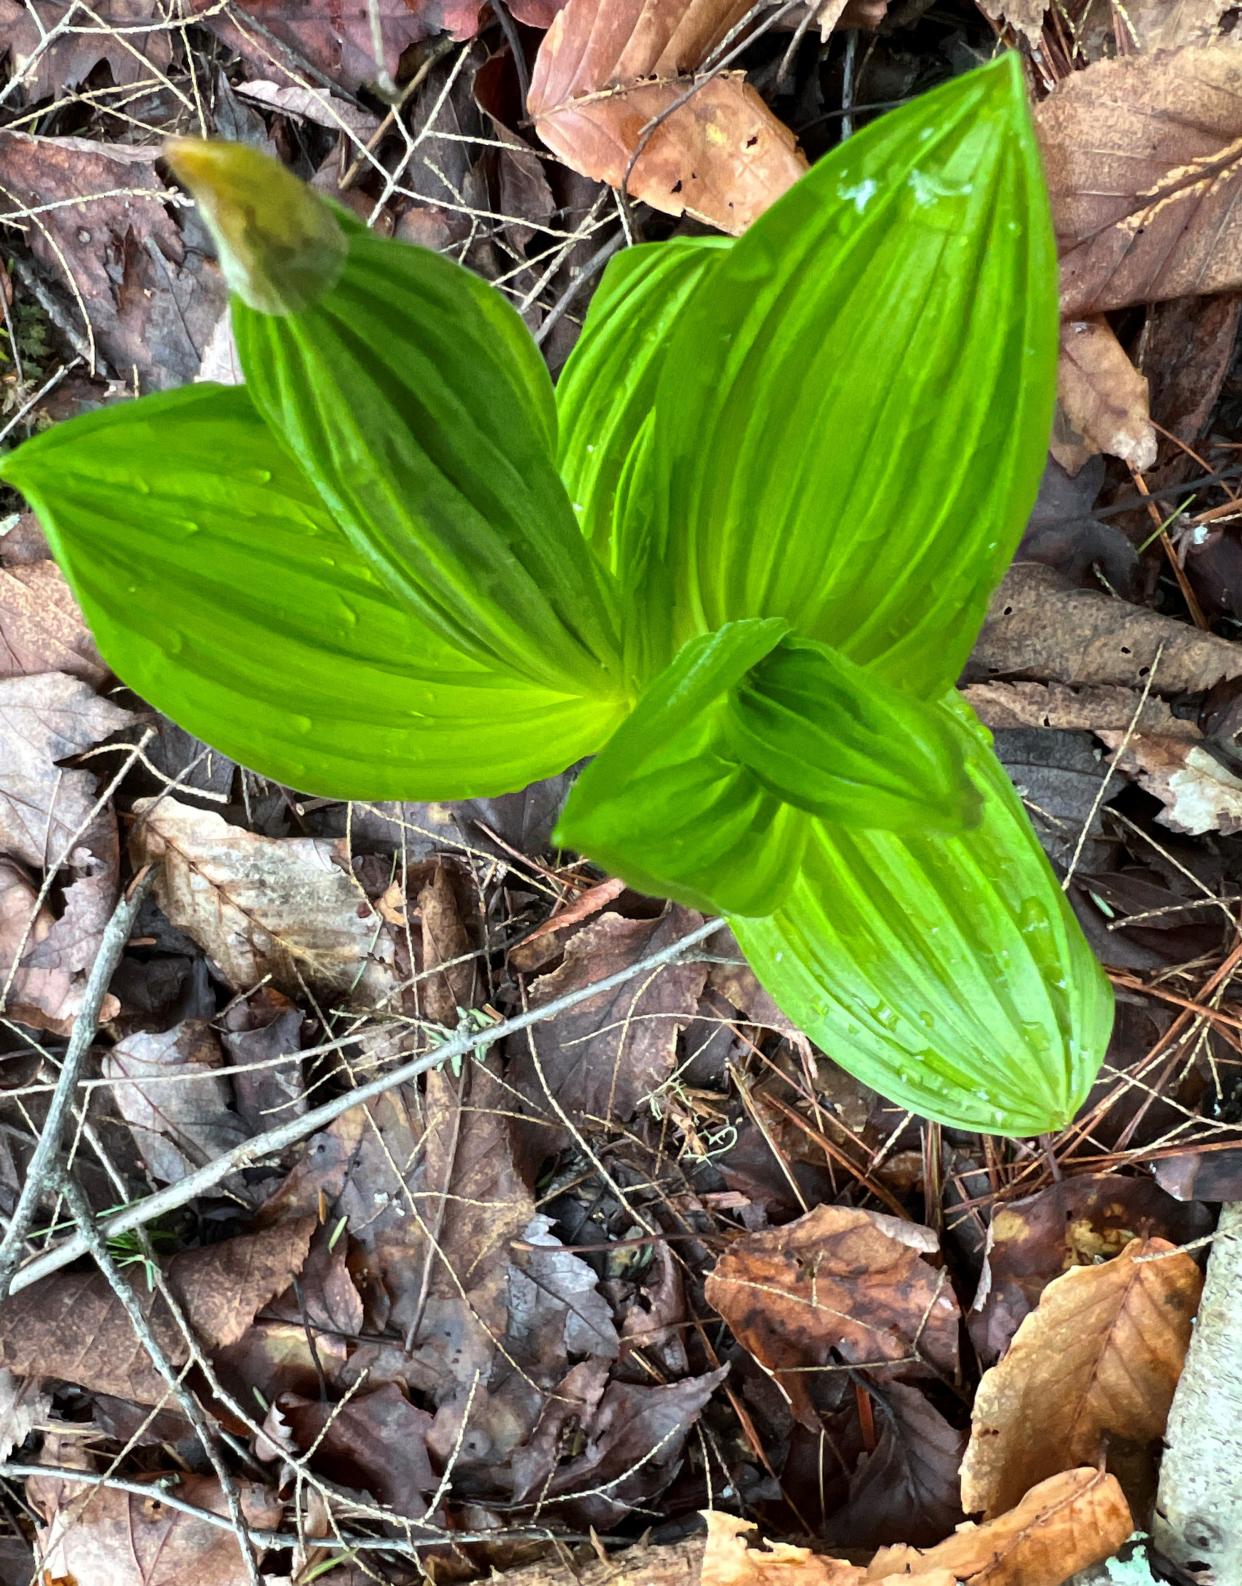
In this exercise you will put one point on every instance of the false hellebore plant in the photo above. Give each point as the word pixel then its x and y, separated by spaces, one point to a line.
pixel 739 555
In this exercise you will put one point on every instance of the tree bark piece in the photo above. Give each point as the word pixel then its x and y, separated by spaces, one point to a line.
pixel 1198 1520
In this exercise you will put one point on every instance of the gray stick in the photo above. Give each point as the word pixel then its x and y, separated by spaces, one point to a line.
pixel 273 1140
pixel 40 1174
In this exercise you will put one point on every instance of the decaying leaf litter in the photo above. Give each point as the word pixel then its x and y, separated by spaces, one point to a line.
pixel 647 1253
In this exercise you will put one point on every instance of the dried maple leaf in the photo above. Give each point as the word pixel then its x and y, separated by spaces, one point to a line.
pixel 99 228
pixel 1103 399
pixel 616 92
pixel 1063 1525
pixel 73 1327
pixel 1098 1357
pixel 632 1029
pixel 97 1534
pixel 837 1279
pixel 264 906
pixel 1145 197
pixel 56 44
pixel 166 1089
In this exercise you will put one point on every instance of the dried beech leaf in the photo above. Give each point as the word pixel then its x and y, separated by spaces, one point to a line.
pixel 1063 1525
pixel 604 74
pixel 1075 1223
pixel 1145 195
pixel 264 906
pixel 1098 1357
pixel 71 1326
pixel 836 1279
pixel 729 1560
pixel 1103 396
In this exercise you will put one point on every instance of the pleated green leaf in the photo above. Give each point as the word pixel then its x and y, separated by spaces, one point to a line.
pixel 416 400
pixel 606 390
pixel 853 411
pixel 947 973
pixel 705 792
pixel 219 588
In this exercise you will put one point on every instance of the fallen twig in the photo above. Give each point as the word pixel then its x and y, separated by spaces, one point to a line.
pixel 262 1145
pixel 41 1173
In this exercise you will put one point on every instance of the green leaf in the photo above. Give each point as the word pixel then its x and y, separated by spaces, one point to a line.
pixel 705 792
pixel 607 388
pixel 947 973
pixel 417 403
pixel 833 739
pixel 663 809
pixel 853 411
pixel 220 590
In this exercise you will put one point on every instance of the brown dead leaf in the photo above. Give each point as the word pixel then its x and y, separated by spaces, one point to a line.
pixel 312 104
pixel 1103 399
pixel 134 37
pixel 1148 25
pixel 100 231
pixel 1061 708
pixel 48 717
pixel 334 36
pixel 96 1534
pixel 601 1059
pixel 23 1405
pixel 1075 1223
pixel 1093 639
pixel 906 1489
pixel 729 1560
pixel 41 626
pixel 166 1088
pixel 604 74
pixel 72 1327
pixel 1198 792
pixel 1024 16
pixel 264 906
pixel 257 1031
pixel 604 1447
pixel 1144 197
pixel 376 1442
pixel 1063 1525
pixel 837 1279
pixel 1099 1357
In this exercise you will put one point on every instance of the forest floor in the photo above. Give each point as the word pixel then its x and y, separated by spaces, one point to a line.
pixel 580 1264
